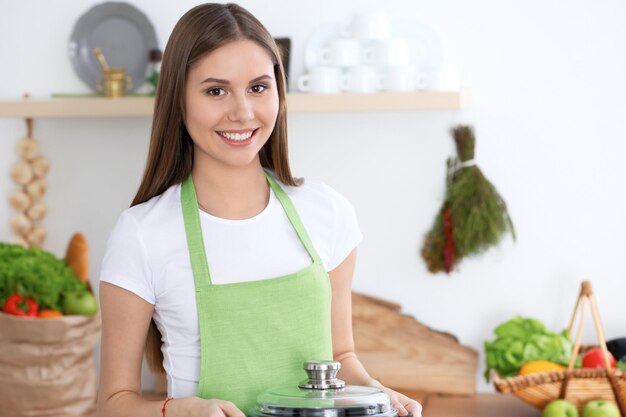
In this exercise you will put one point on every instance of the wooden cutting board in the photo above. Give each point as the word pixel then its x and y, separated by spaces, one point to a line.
pixel 408 356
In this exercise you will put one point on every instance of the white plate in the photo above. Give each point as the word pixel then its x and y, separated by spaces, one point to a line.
pixel 122 32
pixel 427 49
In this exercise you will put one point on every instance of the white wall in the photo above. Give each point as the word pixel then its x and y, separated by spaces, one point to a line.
pixel 548 103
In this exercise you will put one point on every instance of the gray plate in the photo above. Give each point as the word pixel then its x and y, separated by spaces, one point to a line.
pixel 122 32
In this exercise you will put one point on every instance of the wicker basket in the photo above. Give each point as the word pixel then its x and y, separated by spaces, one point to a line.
pixel 576 385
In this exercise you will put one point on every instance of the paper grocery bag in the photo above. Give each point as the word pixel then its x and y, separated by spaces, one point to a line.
pixel 47 366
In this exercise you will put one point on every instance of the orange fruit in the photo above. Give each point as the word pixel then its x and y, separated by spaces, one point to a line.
pixel 540 366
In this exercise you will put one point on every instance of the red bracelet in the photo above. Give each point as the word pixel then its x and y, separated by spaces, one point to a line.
pixel 164 404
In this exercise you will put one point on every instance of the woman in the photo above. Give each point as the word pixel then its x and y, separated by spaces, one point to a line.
pixel 235 271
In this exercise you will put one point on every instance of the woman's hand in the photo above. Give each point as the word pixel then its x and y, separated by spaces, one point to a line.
pixel 197 407
pixel 402 403
pixel 352 370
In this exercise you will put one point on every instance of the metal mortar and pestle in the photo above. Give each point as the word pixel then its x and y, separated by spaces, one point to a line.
pixel 114 81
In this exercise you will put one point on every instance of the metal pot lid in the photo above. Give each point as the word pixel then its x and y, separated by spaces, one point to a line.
pixel 323 395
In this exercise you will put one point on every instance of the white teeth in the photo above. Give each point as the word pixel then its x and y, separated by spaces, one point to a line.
pixel 237 136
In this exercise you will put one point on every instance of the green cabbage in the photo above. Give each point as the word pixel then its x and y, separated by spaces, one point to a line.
pixel 38 274
pixel 522 340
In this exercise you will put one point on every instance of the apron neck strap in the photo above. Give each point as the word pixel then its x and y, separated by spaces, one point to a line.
pixel 193 228
pixel 294 218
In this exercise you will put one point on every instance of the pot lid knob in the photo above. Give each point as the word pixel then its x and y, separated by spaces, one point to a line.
pixel 322 375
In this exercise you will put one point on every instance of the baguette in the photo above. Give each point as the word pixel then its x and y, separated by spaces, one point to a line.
pixel 77 257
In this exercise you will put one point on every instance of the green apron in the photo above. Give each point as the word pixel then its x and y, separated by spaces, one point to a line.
pixel 256 335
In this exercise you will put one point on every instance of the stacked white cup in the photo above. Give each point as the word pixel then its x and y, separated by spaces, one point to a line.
pixel 368 60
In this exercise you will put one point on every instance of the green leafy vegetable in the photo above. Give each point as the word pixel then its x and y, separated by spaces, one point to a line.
pixel 38 274
pixel 621 365
pixel 522 340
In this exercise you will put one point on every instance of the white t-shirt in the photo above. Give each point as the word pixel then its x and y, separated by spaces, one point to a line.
pixel 147 254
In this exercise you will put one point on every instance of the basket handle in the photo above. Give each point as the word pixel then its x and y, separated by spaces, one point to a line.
pixel 586 294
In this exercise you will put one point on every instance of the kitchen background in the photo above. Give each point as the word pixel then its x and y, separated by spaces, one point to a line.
pixel 548 99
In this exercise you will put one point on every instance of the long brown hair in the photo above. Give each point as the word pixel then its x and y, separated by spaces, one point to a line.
pixel 170 158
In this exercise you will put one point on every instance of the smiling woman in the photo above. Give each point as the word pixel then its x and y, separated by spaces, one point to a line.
pixel 231 104
pixel 218 191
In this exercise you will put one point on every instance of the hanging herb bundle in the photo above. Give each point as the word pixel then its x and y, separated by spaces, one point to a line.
pixel 473 216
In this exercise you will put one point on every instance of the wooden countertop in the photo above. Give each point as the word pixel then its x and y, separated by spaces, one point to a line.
pixel 481 405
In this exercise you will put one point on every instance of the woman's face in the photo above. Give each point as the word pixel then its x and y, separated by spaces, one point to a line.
pixel 231 103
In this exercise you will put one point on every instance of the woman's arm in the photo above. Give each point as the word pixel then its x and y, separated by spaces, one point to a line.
pixel 352 370
pixel 125 321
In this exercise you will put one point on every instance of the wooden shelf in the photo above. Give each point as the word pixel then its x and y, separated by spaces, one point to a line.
pixel 77 107
pixel 142 106
pixel 423 100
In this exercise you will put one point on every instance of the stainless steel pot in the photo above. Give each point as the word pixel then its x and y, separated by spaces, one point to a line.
pixel 323 395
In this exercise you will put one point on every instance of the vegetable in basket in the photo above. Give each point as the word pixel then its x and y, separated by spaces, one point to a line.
pixel 522 340
pixel 20 306
pixel 49 314
pixel 37 274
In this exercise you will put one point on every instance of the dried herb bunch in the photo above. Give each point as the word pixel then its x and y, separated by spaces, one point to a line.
pixel 473 216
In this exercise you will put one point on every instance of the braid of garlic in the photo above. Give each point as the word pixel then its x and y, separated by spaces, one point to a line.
pixel 29 175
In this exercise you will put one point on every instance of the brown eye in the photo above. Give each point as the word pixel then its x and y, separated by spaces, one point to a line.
pixel 215 92
pixel 259 88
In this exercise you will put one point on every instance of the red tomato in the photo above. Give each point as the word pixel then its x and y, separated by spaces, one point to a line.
pixel 595 359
